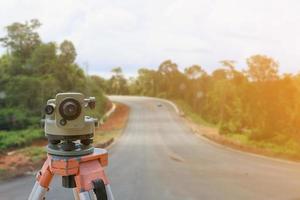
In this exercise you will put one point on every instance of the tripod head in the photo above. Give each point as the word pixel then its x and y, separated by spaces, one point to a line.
pixel 68 130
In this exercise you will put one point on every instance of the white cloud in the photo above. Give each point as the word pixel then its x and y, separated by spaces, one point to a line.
pixel 136 33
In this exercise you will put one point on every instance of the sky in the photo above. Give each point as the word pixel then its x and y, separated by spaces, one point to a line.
pixel 135 33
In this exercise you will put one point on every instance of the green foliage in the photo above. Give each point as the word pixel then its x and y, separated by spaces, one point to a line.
pixel 16 118
pixel 224 129
pixel 68 52
pixel 93 85
pixel 43 59
pixel 262 68
pixel 13 139
pixel 117 84
pixel 188 111
pixel 145 84
pixel 284 145
pixel 3 171
pixel 22 38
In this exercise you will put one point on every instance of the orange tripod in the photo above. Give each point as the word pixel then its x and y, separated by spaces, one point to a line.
pixel 85 174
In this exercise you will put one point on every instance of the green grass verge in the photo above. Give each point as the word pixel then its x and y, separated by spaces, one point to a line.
pixel 2 172
pixel 289 146
pixel 280 144
pixel 188 111
pixel 20 138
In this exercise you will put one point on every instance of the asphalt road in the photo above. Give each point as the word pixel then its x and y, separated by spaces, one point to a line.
pixel 159 158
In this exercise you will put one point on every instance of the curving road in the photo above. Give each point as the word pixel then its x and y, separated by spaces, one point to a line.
pixel 158 158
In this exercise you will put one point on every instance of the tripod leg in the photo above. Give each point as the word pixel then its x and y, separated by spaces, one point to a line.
pixel 76 195
pixel 109 192
pixel 38 192
pixel 40 187
pixel 88 195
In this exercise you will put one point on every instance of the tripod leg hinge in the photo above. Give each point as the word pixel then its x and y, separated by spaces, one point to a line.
pixel 44 176
pixel 89 171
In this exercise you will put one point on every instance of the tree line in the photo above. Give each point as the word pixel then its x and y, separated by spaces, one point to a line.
pixel 32 71
pixel 256 101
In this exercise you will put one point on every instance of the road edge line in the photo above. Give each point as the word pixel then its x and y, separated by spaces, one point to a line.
pixel 108 113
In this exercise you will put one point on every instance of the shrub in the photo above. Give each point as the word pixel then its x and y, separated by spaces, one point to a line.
pixel 16 118
pixel 224 129
pixel 15 139
pixel 261 134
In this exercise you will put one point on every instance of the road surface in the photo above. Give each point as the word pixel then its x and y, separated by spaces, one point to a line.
pixel 158 158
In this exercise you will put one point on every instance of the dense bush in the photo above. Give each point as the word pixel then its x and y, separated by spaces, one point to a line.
pixel 16 118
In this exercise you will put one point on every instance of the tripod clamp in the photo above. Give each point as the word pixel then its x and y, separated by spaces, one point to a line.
pixel 85 174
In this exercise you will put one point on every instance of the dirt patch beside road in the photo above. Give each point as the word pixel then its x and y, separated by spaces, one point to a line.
pixel 113 126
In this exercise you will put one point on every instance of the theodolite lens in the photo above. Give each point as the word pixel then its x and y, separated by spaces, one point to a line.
pixel 70 109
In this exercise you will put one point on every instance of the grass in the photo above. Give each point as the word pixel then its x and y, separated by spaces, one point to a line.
pixel 103 136
pixel 289 147
pixel 2 172
pixel 280 145
pixel 188 111
pixel 35 153
pixel 20 138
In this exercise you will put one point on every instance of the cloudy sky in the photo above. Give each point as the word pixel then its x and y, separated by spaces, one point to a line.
pixel 136 33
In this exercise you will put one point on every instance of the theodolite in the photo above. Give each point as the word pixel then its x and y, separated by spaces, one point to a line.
pixel 70 153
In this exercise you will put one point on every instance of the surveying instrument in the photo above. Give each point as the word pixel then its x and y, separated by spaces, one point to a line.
pixel 70 153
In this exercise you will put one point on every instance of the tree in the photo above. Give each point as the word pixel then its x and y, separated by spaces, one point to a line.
pixel 219 74
pixel 262 68
pixel 117 71
pixel 228 63
pixel 194 72
pixel 171 80
pixel 118 84
pixel 32 71
pixel 43 60
pixel 22 38
pixel 194 91
pixel 4 65
pixel 167 67
pixel 147 82
pixel 100 82
pixel 67 52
